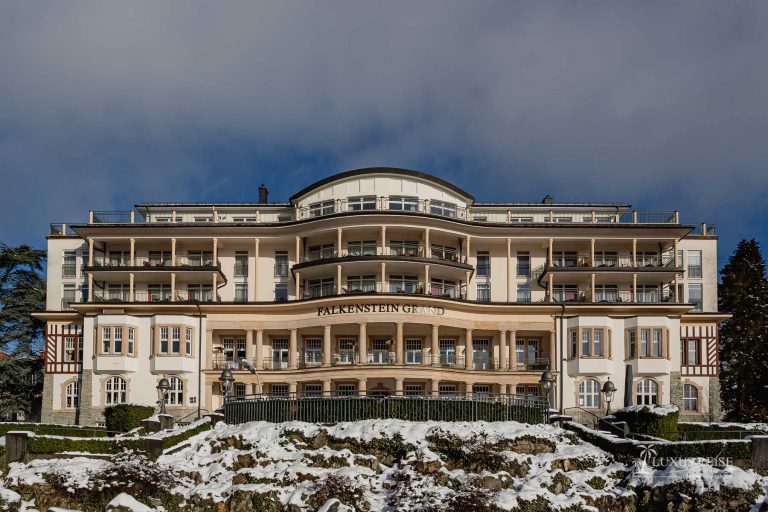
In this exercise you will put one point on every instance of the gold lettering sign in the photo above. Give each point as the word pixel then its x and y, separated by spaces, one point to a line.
pixel 351 309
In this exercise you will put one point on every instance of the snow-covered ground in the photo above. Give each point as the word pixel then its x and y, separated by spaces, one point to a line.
pixel 376 465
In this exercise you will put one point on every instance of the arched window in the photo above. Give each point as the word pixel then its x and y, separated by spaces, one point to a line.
pixel 589 394
pixel 647 392
pixel 72 395
pixel 115 391
pixel 176 393
pixel 690 398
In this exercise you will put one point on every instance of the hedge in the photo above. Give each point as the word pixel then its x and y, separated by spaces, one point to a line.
pixel 175 439
pixel 125 417
pixel 53 430
pixel 722 449
pixel 645 421
pixel 42 444
pixel 698 431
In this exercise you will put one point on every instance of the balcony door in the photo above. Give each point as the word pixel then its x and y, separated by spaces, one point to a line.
pixel 448 352
pixel 480 354
pixel 279 353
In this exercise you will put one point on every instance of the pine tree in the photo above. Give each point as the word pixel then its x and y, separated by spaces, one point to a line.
pixel 743 338
pixel 22 292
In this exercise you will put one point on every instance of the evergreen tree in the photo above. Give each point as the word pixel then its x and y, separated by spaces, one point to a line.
pixel 22 292
pixel 743 338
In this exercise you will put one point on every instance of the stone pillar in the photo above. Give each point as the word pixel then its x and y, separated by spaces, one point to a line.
pixel 427 246
pixel 90 252
pixel 259 349
pixel 131 279
pixel 634 287
pixel 513 350
pixel 133 252
pixel 90 286
pixel 503 389
pixel 468 350
pixel 503 350
pixel 327 345
pixel 435 387
pixel 550 251
pixel 399 352
pixel 399 386
pixel 339 239
pixel 435 345
pixel 384 287
pixel 338 279
pixel 298 284
pixel 592 287
pixel 215 243
pixel 363 343
pixel 249 345
pixel 173 286
pixel 714 400
pixel 467 252
pixel 426 279
pixel 173 252
pixel 292 349
pixel 510 270
pixel 327 387
pixel 675 390
pixel 298 249
pixel 592 252
pixel 634 252
pixel 383 240
pixel 214 287
pixel 362 386
pixel 292 388
pixel 552 350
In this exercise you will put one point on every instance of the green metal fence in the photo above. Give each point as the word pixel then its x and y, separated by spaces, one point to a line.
pixel 332 409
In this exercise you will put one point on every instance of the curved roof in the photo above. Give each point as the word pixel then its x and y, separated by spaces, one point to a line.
pixel 382 170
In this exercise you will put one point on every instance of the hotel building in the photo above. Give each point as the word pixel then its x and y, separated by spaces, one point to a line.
pixel 385 281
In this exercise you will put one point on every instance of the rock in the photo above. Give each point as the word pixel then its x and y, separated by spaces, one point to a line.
pixel 320 440
pixel 367 462
pixel 244 460
pixel 239 479
pixel 490 482
pixel 428 467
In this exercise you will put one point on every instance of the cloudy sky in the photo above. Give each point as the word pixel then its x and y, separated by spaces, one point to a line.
pixel 660 104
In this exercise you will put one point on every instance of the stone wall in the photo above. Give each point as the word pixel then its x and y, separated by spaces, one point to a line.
pixel 676 390
pixel 715 409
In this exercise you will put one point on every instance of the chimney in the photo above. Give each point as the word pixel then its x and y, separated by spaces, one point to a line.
pixel 547 199
pixel 263 193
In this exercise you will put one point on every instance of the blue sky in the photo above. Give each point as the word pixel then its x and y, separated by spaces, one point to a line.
pixel 663 105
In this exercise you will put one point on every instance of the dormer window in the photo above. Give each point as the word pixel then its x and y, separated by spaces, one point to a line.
pixel 404 203
pixel 442 208
pixel 321 208
pixel 361 203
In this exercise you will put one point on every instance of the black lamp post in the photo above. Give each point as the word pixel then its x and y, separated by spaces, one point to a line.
pixel 162 390
pixel 609 389
pixel 545 382
pixel 227 380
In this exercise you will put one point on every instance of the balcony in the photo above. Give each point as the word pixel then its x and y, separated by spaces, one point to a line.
pixel 153 263
pixel 612 297
pixel 173 364
pixel 417 288
pixel 613 262
pixel 115 364
pixel 650 365
pixel 154 297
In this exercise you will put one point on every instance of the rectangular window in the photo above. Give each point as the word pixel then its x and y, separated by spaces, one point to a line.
pixel 480 391
pixel 321 252
pixel 447 389
pixel 644 335
pixel 158 292
pixel 412 351
pixel 523 264
pixel 447 352
pixel 281 292
pixel 205 218
pixel 241 263
pixel 563 219
pixel 313 390
pixel 229 349
pixel 361 203
pixel 361 248
pixel 200 258
pixel 118 331
pixel 483 267
pixel 241 345
pixel 347 389
pixel 656 343
pixel 564 258
pixel 313 351
pixel 444 252
pixel 598 342
pixel 200 292
pixel 442 288
pixel 281 263
pixel 69 264
pixel 163 340
pixel 524 292
pixel 176 340
pixel 361 284
pixel 442 208
pixel 119 258
pixel 241 292
pixel 586 340
pixel 118 292
pixel 68 296
pixel 632 344
pixel 606 293
pixel 694 264
pixel 347 350
pixel 403 284
pixel 517 218
pixel 606 259
pixel 322 208
pixel 648 259
pixel 414 390
pixel 692 356
pixel 408 248
pixel 320 287
pixel 483 292
pixel 69 349
pixel 695 296
pixel 404 203
pixel 159 258
pixel 131 340
pixel 648 293
pixel 106 340
pixel 574 343
pixel 239 389
pixel 565 292
pixel 188 341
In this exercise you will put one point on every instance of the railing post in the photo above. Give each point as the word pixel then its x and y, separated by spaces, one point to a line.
pixel 677 217
pixel 634 216
pixel 90 216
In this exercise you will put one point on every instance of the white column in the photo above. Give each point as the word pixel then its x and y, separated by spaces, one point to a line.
pixel 513 349
pixel 173 253
pixel 292 349
pixel 338 279
pixel 399 352
pixel 338 242
pixel 327 345
pixel 468 350
pixel 435 345
pixel 131 279
pixel 363 343
pixel 249 345
pixel 173 286
pixel 133 252
pixel 503 350
pixel 259 349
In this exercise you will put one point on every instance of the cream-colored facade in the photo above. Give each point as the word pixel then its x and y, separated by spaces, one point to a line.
pixel 380 280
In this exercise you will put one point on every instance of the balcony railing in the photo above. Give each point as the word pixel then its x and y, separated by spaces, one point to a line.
pixel 619 260
pixel 408 288
pixel 159 297
pixel 151 262
pixel 61 228
pixel 116 217
pixel 618 296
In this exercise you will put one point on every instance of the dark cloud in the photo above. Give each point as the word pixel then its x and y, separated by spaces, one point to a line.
pixel 657 103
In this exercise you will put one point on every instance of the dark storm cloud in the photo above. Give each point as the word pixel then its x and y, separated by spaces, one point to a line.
pixel 661 104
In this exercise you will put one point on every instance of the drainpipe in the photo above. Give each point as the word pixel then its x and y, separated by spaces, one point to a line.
pixel 199 358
